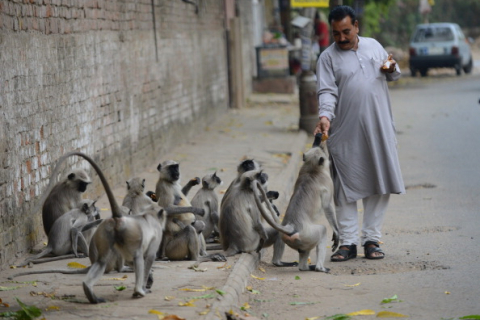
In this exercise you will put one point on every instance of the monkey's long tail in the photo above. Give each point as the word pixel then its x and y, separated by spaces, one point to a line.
pixel 116 213
pixel 63 271
pixel 288 229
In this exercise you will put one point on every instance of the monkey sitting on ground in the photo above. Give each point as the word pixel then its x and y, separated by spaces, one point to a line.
pixel 207 199
pixel 183 238
pixel 137 201
pixel 241 226
pixel 122 237
pixel 64 197
pixel 67 233
pixel 313 193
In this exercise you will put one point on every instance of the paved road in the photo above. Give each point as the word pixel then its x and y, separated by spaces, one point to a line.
pixel 266 131
pixel 431 234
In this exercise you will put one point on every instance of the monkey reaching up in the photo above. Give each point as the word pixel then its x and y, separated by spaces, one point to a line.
pixel 312 195
pixel 65 196
pixel 66 233
pixel 207 199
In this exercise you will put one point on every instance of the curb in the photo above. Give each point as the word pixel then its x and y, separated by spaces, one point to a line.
pixel 238 278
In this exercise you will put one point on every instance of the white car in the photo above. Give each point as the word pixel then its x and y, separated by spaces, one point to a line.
pixel 439 45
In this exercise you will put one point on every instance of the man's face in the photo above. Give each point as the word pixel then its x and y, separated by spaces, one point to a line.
pixel 345 33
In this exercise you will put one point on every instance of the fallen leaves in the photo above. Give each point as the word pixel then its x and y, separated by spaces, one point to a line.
pixel 26 313
pixel 118 279
pixel 255 277
pixel 352 285
pixel 389 300
pixel 390 314
pixel 189 303
pixel 197 269
pixel 250 289
pixel 163 316
pixel 204 288
pixel 365 312
pixel 76 265
pixel 10 288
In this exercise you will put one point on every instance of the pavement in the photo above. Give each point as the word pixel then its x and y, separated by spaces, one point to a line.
pixel 266 130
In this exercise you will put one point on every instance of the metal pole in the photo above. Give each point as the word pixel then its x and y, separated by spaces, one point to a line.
pixel 307 90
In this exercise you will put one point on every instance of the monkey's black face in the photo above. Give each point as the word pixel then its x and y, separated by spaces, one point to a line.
pixel 247 165
pixel 262 177
pixel 217 180
pixel 82 186
pixel 174 172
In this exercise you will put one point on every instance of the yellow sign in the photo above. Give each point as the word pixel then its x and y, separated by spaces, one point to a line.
pixel 309 3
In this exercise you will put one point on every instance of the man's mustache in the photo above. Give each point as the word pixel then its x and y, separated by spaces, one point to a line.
pixel 344 42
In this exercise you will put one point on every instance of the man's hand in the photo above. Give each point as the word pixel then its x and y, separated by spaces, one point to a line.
pixel 323 126
pixel 391 65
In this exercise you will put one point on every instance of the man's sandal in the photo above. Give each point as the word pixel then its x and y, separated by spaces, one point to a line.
pixel 371 247
pixel 346 252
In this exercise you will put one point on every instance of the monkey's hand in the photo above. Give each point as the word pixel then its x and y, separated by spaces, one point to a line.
pixel 195 181
pixel 336 240
pixel 273 195
pixel 198 211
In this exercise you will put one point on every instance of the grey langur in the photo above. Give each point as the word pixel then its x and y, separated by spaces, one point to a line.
pixel 207 199
pixel 136 200
pixel 67 232
pixel 183 238
pixel 312 195
pixel 241 226
pixel 64 197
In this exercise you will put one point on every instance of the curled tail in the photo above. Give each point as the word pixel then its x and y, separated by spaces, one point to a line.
pixel 288 229
pixel 116 212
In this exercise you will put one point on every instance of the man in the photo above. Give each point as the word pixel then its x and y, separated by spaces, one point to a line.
pixel 355 111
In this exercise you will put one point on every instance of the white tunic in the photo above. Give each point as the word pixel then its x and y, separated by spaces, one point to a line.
pixel 353 94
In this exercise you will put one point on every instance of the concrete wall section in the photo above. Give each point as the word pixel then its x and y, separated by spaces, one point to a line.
pixel 86 75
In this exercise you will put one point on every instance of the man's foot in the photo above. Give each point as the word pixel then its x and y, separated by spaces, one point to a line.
pixel 344 253
pixel 372 250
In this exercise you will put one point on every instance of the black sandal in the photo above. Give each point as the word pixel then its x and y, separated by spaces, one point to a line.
pixel 371 247
pixel 347 252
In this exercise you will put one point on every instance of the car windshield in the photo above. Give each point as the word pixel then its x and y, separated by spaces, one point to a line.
pixel 433 34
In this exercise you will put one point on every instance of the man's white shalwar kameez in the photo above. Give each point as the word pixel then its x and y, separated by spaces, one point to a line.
pixel 353 95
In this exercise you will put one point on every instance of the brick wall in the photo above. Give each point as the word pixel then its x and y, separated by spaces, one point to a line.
pixel 85 75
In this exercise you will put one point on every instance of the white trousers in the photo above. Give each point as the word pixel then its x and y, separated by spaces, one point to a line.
pixel 374 209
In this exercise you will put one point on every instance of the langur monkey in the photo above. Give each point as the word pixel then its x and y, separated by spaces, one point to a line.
pixel 67 233
pixel 244 166
pixel 64 197
pixel 136 200
pixel 183 238
pixel 313 193
pixel 241 226
pixel 207 199
pixel 122 237
pixel 249 165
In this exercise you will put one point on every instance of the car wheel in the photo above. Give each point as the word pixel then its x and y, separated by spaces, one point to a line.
pixel 468 68
pixel 423 72
pixel 458 69
pixel 413 72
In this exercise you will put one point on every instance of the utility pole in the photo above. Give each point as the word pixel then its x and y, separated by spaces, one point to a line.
pixel 307 89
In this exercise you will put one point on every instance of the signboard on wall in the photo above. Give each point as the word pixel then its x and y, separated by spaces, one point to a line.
pixel 309 3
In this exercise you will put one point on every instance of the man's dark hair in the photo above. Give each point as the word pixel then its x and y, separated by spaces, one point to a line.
pixel 340 12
